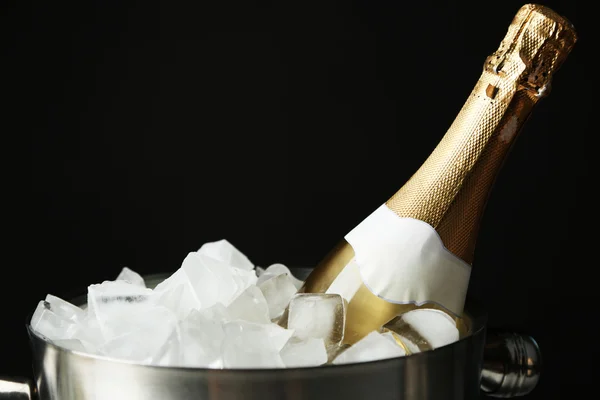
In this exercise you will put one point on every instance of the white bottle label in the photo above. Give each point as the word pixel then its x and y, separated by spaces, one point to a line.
pixel 403 260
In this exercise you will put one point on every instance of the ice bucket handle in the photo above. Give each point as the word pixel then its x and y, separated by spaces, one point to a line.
pixel 17 389
pixel 511 364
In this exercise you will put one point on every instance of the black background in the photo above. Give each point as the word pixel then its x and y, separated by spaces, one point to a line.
pixel 279 125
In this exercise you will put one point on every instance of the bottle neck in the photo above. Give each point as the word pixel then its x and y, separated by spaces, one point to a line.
pixel 451 188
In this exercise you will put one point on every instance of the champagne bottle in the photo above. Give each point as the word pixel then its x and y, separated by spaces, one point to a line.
pixel 449 191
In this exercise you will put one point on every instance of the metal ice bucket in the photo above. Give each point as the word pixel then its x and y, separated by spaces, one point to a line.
pixel 496 364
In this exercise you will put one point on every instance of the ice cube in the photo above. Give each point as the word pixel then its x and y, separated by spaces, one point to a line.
pixel 251 345
pixel 131 276
pixel 409 346
pixel 201 340
pixel 275 334
pixel 243 279
pixel 334 350
pixel 144 342
pixel 278 292
pixel 51 325
pixel 226 253
pixel 216 313
pixel 206 285
pixel 409 343
pixel 304 353
pixel 392 337
pixel 278 269
pixel 215 282
pixel 65 309
pixel 251 306
pixel 115 303
pixel 171 352
pixel 116 294
pixel 71 344
pixel 318 316
pixel 372 347
pixel 177 293
pixel 435 327
pixel 171 299
pixel 90 334
pixel 212 328
pixel 411 339
pixel 241 353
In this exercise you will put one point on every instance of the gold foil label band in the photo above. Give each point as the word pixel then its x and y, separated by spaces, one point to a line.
pixel 403 261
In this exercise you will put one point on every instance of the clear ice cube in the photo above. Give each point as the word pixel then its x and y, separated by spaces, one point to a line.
pixel 216 313
pixel 278 292
pixel 207 286
pixel 334 350
pixel 251 345
pixel 392 337
pixel 304 353
pixel 111 294
pixel 170 353
pixel 51 325
pixel 372 347
pixel 226 253
pixel 251 306
pixel 150 330
pixel 411 347
pixel 131 276
pixel 275 270
pixel 273 333
pixel 171 299
pixel 201 340
pixel 65 309
pixel 239 353
pixel 318 316
pixel 408 345
pixel 115 305
pixel 90 334
pixel 243 279
pixel 215 282
pixel 71 344
pixel 435 327
pixel 411 340
pixel 177 293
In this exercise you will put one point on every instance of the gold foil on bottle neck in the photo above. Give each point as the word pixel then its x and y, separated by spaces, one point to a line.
pixel 535 46
pixel 451 188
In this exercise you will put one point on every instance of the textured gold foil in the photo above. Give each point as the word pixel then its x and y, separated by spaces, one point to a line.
pixel 450 189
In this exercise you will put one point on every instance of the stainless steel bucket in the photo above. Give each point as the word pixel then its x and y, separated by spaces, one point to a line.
pixel 503 365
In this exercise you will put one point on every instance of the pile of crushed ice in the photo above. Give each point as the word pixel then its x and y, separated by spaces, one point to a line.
pixel 216 311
